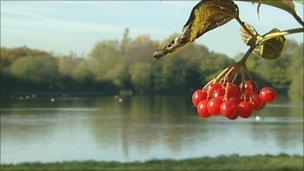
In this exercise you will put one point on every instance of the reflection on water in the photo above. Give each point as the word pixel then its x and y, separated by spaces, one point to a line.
pixel 141 128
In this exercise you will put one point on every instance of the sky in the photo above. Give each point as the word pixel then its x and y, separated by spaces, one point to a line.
pixel 62 27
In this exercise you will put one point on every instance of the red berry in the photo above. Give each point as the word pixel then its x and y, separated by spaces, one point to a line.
pixel 250 87
pixel 214 105
pixel 268 94
pixel 214 87
pixel 244 109
pixel 198 96
pixel 202 109
pixel 218 92
pixel 221 98
pixel 256 102
pixel 228 108
pixel 233 90
pixel 233 117
pixel 235 100
pixel 263 105
pixel 250 92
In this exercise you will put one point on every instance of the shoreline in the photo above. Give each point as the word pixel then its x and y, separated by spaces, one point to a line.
pixel 232 162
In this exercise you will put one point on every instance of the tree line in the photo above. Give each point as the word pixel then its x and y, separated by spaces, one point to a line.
pixel 127 64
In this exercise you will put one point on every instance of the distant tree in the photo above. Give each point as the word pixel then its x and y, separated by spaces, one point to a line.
pixel 83 72
pixel 104 57
pixel 141 76
pixel 8 55
pixel 36 69
pixel 277 72
pixel 125 39
pixel 127 64
pixel 139 48
pixel 296 72
pixel 67 65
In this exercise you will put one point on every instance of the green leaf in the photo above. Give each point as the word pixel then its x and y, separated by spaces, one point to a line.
pixel 272 48
pixel 205 16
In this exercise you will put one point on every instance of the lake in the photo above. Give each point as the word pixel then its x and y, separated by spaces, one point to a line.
pixel 139 128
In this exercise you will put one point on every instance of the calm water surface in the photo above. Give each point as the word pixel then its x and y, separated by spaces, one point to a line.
pixel 140 128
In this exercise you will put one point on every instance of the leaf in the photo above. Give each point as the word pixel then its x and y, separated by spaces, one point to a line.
pixel 300 1
pixel 269 49
pixel 286 5
pixel 258 11
pixel 272 48
pixel 205 16
pixel 246 37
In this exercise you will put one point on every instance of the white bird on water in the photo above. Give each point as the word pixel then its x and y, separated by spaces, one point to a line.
pixel 257 118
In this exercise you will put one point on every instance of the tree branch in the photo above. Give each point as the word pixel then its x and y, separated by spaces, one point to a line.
pixel 247 54
pixel 244 26
pixel 281 33
pixel 299 20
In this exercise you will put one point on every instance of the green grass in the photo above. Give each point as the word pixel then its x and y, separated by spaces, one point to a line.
pixel 234 162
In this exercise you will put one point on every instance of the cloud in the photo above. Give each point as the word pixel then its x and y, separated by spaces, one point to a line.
pixel 141 24
pixel 31 17
pixel 78 25
pixel 56 26
pixel 33 20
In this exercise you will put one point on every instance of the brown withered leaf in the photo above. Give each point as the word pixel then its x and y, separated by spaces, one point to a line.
pixel 205 16
pixel 272 48
pixel 246 37
pixel 286 5
pixel 267 49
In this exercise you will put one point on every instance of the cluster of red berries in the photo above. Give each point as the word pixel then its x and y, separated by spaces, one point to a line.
pixel 230 100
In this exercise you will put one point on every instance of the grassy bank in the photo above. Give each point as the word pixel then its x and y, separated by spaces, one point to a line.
pixel 234 162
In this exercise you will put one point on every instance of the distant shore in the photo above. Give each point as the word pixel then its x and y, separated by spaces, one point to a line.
pixel 233 162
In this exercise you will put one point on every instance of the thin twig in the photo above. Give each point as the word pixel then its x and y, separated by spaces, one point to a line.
pixel 299 20
pixel 209 83
pixel 245 57
pixel 244 26
pixel 281 33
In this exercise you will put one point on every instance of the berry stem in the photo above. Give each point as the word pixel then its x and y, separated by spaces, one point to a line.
pixel 226 91
pixel 227 75
pixel 221 74
pixel 209 83
pixel 247 73
pixel 243 75
pixel 245 57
